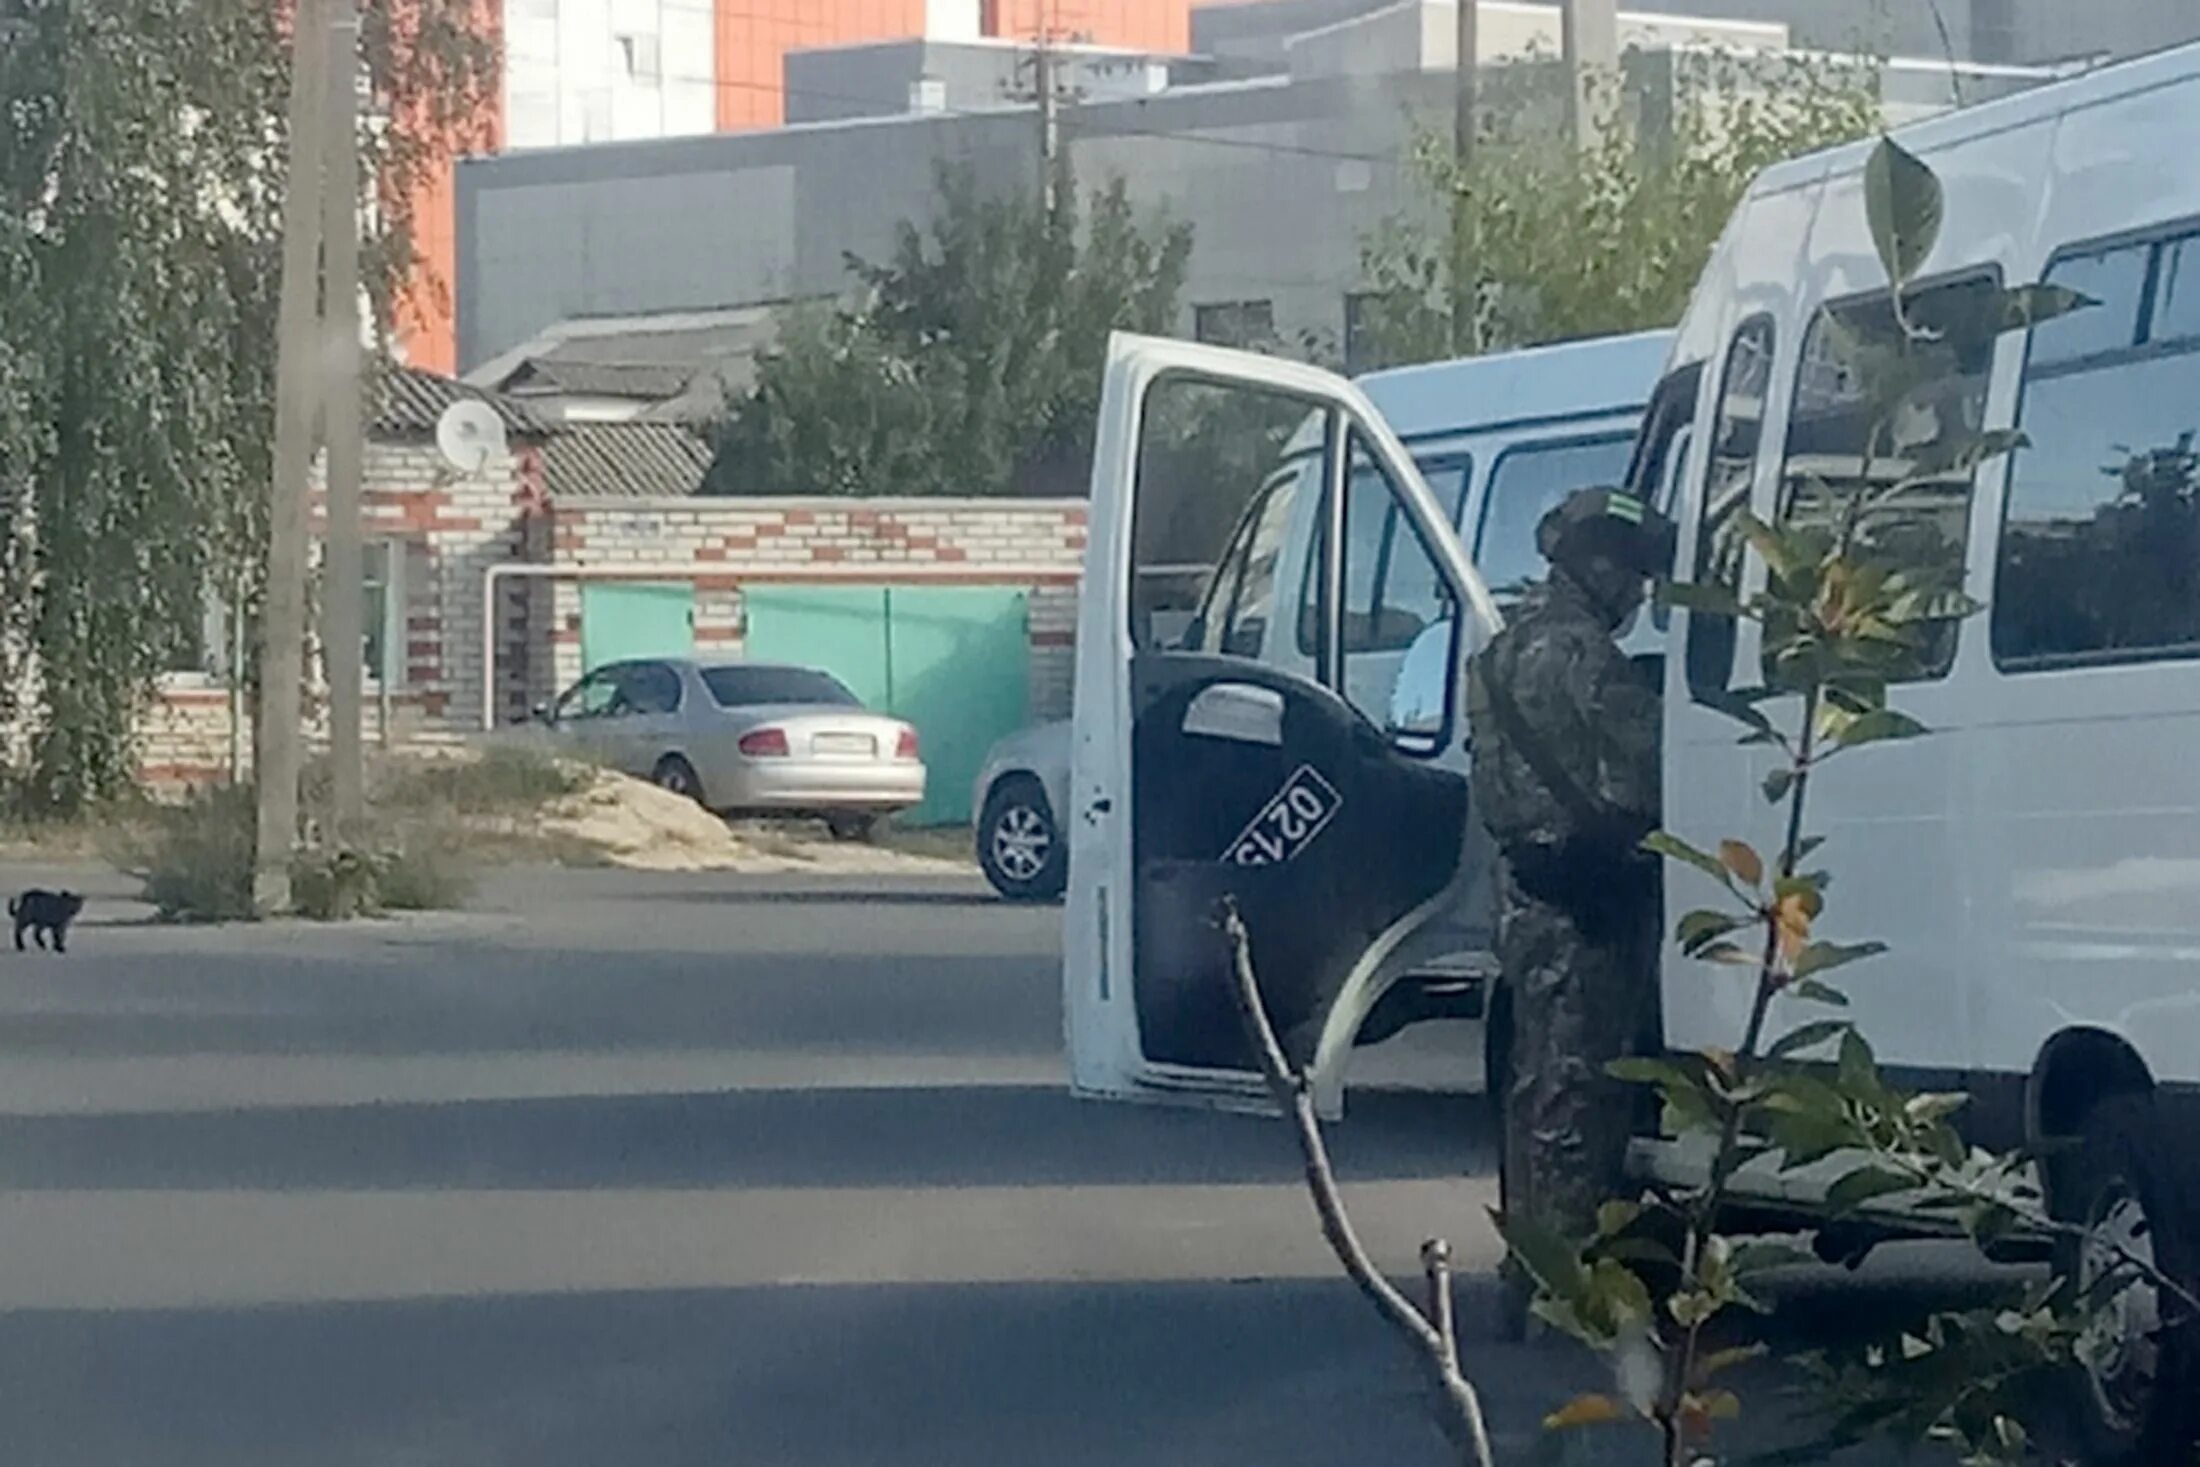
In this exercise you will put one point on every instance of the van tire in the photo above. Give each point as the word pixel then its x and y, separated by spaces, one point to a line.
pixel 2114 1177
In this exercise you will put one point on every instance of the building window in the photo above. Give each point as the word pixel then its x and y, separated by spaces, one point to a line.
pixel 1362 349
pixel 203 649
pixel 1235 323
pixel 2100 544
pixel 382 614
pixel 644 59
pixel 1843 442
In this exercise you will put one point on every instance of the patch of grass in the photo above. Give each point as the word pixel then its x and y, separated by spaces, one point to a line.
pixel 195 858
pixel 503 779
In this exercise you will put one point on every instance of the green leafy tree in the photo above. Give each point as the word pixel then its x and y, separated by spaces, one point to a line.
pixel 141 165
pixel 969 360
pixel 1534 241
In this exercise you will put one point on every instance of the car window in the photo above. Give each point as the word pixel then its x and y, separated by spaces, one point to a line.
pixel 1527 483
pixel 651 687
pixel 594 696
pixel 749 687
pixel 1391 585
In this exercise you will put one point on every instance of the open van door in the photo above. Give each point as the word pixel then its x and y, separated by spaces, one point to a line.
pixel 1248 756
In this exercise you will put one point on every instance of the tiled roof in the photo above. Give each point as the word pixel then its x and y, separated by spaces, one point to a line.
pixel 652 381
pixel 630 460
pixel 409 400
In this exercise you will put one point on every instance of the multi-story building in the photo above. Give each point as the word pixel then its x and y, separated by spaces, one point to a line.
pixel 604 71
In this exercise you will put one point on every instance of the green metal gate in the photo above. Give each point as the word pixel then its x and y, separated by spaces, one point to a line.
pixel 626 619
pixel 952 660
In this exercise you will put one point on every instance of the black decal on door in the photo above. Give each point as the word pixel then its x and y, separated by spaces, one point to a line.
pixel 1287 824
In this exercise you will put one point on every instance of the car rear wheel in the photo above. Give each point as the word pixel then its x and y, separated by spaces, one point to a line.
pixel 1019 848
pixel 2138 1374
pixel 675 775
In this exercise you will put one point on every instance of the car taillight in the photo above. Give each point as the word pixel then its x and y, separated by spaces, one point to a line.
pixel 905 747
pixel 764 743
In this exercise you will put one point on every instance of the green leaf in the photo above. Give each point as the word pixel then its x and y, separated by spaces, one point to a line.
pixel 1778 784
pixel 1755 1257
pixel 1643 1070
pixel 1615 1217
pixel 1880 726
pixel 2025 306
pixel 1817 992
pixel 1824 957
pixel 1673 848
pixel 1593 1410
pixel 1549 1259
pixel 1741 858
pixel 1858 1068
pixel 1959 456
pixel 1699 929
pixel 1862 1186
pixel 1903 203
pixel 1704 598
pixel 1808 1036
pixel 1743 711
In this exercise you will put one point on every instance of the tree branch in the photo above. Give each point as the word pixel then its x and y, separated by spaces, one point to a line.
pixel 1434 1335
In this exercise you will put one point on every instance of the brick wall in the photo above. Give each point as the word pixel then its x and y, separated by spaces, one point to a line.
pixel 979 542
pixel 449 528
pixel 454 529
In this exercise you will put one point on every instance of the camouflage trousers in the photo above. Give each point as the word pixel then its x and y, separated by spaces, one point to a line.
pixel 1582 994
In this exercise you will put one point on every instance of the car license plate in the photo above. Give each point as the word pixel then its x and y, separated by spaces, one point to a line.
pixel 1288 823
pixel 845 743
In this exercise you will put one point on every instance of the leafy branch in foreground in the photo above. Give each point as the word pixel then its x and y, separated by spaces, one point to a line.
pixel 1430 1329
pixel 1860 588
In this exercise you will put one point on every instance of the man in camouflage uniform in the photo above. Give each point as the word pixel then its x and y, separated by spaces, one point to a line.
pixel 1566 777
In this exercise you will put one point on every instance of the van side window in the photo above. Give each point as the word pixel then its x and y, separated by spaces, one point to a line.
pixel 1391 582
pixel 1389 599
pixel 1735 435
pixel 2100 546
pixel 1528 482
pixel 1845 438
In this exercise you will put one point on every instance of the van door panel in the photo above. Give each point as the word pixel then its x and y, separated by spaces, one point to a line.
pixel 1229 767
pixel 1325 841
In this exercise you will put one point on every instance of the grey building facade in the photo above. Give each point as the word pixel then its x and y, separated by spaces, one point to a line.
pixel 1283 145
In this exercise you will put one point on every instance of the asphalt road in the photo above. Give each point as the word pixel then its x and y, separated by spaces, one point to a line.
pixel 666 1170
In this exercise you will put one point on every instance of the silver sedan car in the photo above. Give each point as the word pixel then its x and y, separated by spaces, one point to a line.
pixel 745 738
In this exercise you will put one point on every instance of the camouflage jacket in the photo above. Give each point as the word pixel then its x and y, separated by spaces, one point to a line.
pixel 1566 733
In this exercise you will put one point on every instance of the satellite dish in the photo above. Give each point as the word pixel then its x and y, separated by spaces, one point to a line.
pixel 470 436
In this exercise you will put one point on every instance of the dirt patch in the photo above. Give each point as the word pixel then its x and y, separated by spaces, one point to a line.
pixel 626 822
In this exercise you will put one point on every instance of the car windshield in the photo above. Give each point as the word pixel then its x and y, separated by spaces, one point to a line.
pixel 747 687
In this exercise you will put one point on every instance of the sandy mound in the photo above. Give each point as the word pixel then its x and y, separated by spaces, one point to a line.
pixel 634 824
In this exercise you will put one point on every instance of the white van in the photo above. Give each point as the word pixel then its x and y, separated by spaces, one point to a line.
pixel 2034 865
pixel 1261 751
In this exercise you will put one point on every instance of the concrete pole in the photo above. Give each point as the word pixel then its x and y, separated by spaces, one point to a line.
pixel 343 598
pixel 297 349
pixel 1589 33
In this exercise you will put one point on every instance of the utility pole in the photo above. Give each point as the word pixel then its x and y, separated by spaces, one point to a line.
pixel 343 601
pixel 1589 37
pixel 282 655
pixel 1050 115
pixel 1466 315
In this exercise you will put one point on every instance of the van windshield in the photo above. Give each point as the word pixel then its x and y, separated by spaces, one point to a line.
pixel 1528 483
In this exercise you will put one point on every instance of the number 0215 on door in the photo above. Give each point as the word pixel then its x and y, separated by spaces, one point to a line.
pixel 1287 824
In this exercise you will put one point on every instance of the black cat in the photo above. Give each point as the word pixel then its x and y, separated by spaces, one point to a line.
pixel 43 912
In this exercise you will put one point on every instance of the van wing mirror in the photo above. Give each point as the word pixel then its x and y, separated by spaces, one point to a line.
pixel 1421 697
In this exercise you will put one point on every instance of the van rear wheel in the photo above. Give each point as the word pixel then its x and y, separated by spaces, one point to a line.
pixel 2137 1380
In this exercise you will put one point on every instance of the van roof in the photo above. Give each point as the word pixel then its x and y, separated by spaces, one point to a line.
pixel 1610 374
pixel 2107 83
